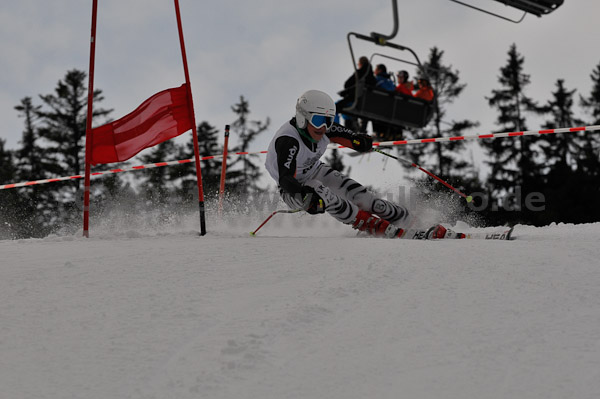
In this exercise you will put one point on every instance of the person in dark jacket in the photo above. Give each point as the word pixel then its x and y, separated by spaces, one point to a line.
pixel 364 73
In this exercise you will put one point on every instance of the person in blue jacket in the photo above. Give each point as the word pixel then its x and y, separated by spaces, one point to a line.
pixel 383 78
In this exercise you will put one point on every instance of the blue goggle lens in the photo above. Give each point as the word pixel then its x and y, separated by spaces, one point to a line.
pixel 320 120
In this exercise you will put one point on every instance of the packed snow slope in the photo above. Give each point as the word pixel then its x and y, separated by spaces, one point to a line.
pixel 300 312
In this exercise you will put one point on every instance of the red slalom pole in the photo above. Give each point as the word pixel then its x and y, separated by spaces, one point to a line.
pixel 193 121
pixel 223 171
pixel 88 127
pixel 414 165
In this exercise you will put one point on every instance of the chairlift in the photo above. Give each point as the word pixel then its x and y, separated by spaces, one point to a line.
pixel 535 7
pixel 377 105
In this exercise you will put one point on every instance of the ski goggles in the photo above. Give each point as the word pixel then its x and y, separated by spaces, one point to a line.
pixel 318 121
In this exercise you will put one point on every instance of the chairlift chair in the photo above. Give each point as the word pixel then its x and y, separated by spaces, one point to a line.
pixel 378 105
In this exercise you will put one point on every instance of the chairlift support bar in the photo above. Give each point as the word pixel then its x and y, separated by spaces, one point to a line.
pixel 395 59
pixel 379 42
pixel 381 36
pixel 423 68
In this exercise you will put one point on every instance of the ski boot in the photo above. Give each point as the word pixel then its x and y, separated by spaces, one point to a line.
pixel 376 226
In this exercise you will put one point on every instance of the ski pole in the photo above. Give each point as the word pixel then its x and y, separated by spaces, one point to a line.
pixel 414 165
pixel 253 233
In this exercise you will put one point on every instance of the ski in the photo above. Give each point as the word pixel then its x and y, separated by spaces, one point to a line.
pixel 504 234
pixel 498 234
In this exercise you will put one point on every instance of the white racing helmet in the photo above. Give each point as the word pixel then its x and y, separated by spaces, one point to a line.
pixel 315 107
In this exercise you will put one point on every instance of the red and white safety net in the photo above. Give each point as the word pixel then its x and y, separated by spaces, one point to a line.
pixel 379 144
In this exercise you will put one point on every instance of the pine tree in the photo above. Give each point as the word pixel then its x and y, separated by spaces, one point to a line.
pixel 592 102
pixel 30 156
pixel 158 184
pixel 64 120
pixel 447 87
pixel 514 162
pixel 35 208
pixel 7 166
pixel 245 178
pixel 588 162
pixel 9 199
pixel 62 128
pixel 208 144
pixel 560 150
pixel 447 158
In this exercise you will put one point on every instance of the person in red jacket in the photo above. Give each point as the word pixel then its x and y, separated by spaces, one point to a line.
pixel 425 91
pixel 404 86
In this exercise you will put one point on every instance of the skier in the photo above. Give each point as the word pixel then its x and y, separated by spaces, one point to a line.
pixel 293 160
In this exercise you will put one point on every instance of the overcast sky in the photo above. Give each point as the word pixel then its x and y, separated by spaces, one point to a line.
pixel 271 51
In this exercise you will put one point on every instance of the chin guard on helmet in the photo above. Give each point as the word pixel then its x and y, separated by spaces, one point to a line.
pixel 311 103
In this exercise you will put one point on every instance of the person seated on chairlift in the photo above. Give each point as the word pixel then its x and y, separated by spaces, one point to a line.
pixel 383 78
pixel 365 76
pixel 424 90
pixel 365 72
pixel 404 85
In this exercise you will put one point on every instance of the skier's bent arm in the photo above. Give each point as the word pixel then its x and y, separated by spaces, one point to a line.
pixel 287 150
pixel 343 136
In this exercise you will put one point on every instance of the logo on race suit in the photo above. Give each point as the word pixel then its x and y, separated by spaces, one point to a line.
pixel 335 128
pixel 378 206
pixel 290 158
pixel 309 164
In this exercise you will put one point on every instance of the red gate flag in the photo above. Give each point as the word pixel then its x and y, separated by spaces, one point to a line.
pixel 161 117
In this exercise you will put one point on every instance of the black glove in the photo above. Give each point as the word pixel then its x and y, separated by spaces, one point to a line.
pixel 312 202
pixel 362 142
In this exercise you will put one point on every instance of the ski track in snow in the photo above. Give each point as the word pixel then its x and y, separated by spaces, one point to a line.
pixel 288 314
